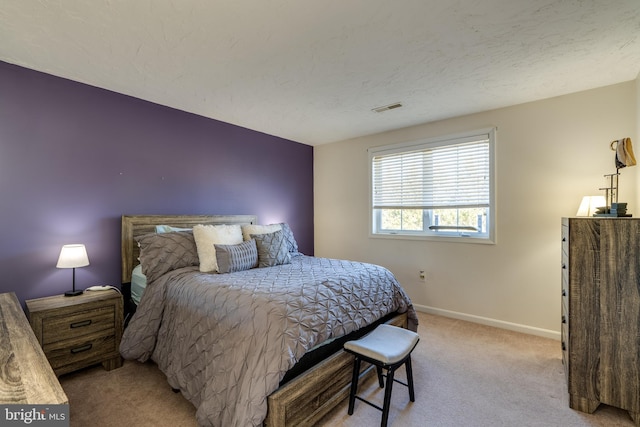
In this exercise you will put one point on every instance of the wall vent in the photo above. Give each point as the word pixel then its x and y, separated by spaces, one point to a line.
pixel 387 107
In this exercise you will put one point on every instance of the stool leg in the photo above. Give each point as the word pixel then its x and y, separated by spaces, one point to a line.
pixel 412 395
pixel 354 384
pixel 380 380
pixel 387 398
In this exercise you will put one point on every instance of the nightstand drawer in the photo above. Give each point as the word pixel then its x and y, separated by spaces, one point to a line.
pixel 76 350
pixel 60 328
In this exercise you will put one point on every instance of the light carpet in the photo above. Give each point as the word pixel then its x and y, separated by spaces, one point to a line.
pixel 465 374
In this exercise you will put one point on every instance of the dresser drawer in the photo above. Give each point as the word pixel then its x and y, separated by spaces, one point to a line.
pixel 77 350
pixel 60 328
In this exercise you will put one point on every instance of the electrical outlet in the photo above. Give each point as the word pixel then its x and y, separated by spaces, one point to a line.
pixel 422 276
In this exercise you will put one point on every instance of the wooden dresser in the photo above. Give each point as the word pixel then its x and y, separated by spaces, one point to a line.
pixel 25 374
pixel 80 331
pixel 601 312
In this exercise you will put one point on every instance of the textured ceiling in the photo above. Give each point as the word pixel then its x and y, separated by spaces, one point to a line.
pixel 311 71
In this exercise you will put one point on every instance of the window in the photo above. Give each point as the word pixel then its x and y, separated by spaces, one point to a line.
pixel 437 188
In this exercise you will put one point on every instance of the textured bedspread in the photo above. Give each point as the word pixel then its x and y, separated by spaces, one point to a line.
pixel 226 340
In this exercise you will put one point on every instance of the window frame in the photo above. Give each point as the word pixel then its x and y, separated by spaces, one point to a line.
pixel 453 139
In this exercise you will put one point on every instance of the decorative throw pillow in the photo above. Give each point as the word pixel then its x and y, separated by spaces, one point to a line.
pixel 206 236
pixel 240 257
pixel 161 253
pixel 249 229
pixel 272 249
pixel 289 238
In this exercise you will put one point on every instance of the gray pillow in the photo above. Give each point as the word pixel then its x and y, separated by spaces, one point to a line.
pixel 273 249
pixel 289 238
pixel 163 252
pixel 232 258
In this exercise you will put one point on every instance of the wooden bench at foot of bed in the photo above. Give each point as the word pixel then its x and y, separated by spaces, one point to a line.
pixel 304 400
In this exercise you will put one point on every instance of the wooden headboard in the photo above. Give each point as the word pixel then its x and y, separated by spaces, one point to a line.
pixel 138 225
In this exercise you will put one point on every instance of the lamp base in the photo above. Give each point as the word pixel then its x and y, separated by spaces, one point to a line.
pixel 73 293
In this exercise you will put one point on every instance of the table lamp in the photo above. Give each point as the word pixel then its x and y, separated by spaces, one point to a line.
pixel 590 204
pixel 73 256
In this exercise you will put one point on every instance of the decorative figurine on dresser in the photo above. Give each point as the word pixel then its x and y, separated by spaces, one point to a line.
pixel 601 312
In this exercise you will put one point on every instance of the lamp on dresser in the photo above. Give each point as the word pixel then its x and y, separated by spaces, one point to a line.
pixel 73 256
pixel 590 205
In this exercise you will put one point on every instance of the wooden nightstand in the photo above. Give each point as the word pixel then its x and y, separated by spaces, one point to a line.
pixel 76 332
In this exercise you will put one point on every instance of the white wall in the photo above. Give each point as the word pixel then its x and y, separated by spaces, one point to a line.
pixel 549 154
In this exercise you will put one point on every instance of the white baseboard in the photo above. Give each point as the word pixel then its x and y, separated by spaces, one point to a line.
pixel 547 333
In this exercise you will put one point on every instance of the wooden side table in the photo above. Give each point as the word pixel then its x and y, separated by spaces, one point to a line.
pixel 76 332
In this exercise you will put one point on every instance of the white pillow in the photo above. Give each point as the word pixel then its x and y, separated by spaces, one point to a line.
pixel 206 236
pixel 249 229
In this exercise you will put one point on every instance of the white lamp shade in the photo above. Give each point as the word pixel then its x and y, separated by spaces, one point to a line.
pixel 590 204
pixel 72 256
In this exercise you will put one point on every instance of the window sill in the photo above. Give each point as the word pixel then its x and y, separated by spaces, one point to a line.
pixel 444 239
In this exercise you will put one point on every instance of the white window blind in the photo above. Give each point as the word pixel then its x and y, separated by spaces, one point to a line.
pixel 449 174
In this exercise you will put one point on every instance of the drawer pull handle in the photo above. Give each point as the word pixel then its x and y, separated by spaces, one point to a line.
pixel 81 348
pixel 80 324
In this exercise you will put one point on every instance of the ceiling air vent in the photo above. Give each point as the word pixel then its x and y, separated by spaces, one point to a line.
pixel 387 107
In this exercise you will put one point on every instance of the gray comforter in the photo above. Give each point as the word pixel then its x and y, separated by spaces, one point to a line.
pixel 226 340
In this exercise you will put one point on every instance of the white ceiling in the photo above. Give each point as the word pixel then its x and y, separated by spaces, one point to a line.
pixel 312 70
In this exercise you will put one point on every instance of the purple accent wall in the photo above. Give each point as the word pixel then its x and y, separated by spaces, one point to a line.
pixel 74 158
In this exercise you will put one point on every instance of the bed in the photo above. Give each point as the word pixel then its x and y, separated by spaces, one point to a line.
pixel 237 344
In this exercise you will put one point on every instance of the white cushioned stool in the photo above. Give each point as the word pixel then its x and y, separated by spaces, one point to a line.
pixel 387 347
